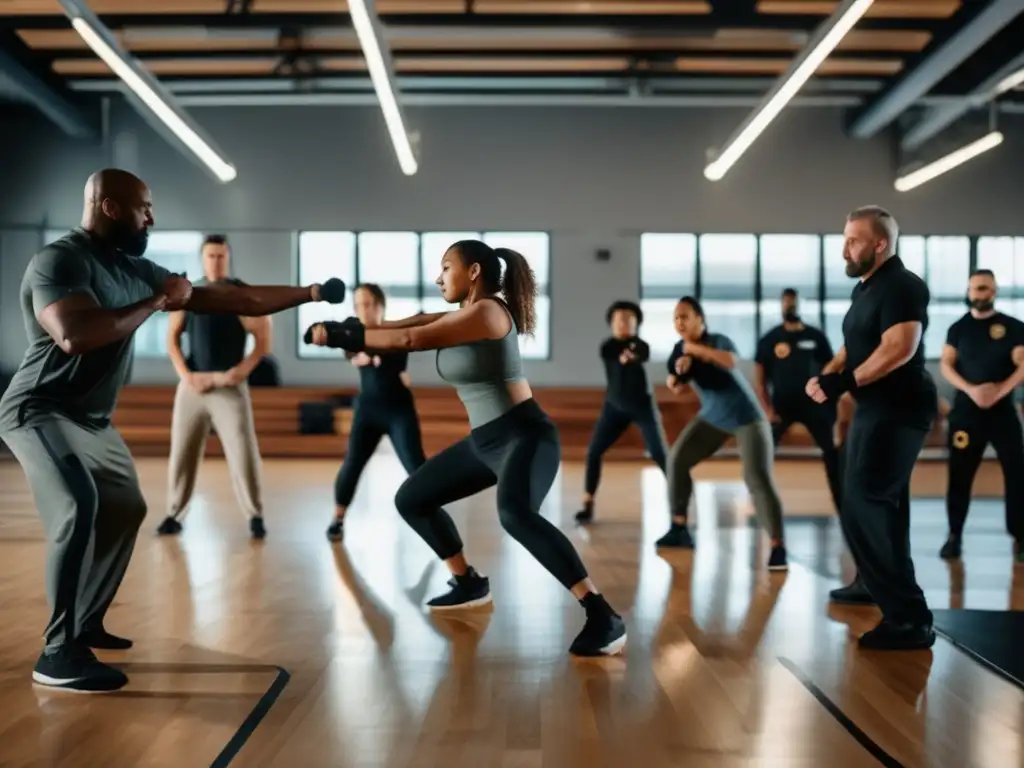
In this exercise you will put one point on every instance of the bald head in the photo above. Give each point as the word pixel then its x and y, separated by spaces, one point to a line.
pixel 118 208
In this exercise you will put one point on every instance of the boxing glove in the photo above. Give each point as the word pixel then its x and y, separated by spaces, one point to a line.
pixel 333 291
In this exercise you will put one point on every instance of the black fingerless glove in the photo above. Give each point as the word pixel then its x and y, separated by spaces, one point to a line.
pixel 835 384
pixel 349 335
pixel 333 291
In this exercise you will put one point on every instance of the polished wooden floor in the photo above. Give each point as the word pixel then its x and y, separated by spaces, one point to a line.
pixel 726 665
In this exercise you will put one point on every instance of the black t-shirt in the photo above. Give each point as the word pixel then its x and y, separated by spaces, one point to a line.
pixel 627 383
pixel 216 341
pixel 789 359
pixel 381 381
pixel 984 353
pixel 892 295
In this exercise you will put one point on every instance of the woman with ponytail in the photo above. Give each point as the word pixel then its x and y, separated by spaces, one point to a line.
pixel 512 444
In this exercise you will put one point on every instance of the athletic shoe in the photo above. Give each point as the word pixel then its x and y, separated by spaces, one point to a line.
pixel 467 591
pixel 169 527
pixel 678 537
pixel 257 529
pixel 585 515
pixel 73 667
pixel 951 550
pixel 336 530
pixel 888 636
pixel 100 638
pixel 852 594
pixel 604 634
pixel 778 561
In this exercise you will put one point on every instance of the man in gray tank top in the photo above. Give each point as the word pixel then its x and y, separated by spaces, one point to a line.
pixel 213 391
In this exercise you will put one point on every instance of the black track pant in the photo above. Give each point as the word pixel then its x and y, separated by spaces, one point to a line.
pixel 610 425
pixel 371 421
pixel 520 453
pixel 820 421
pixel 970 431
pixel 880 457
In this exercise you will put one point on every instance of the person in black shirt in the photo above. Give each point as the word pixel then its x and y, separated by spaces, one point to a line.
pixel 213 391
pixel 385 406
pixel 629 399
pixel 882 364
pixel 787 356
pixel 984 359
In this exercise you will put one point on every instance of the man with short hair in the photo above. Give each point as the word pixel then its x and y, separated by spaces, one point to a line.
pixel 82 299
pixel 881 363
pixel 983 358
pixel 213 391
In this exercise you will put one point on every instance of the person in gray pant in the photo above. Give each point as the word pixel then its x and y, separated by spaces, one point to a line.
pixel 729 408
pixel 82 299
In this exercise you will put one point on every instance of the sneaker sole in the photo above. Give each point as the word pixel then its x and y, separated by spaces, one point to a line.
pixel 55 684
pixel 615 647
pixel 468 604
pixel 778 567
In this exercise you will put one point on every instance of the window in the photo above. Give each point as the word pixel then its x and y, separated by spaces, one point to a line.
pixel 728 269
pixel 323 255
pixel 790 261
pixel 178 252
pixel 948 261
pixel 838 289
pixel 1005 257
pixel 405 265
pixel 668 271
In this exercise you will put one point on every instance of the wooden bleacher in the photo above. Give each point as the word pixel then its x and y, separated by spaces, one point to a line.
pixel 144 418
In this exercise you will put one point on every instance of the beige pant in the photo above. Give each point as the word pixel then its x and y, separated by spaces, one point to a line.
pixel 229 411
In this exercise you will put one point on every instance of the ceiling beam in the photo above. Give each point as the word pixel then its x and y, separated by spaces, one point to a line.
pixel 30 88
pixel 973 26
pixel 661 23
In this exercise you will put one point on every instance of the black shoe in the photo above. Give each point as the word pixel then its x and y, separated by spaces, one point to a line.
pixel 257 529
pixel 951 549
pixel 100 638
pixel 889 636
pixel 678 537
pixel 585 515
pixel 336 530
pixel 852 594
pixel 468 591
pixel 604 634
pixel 169 527
pixel 777 561
pixel 75 668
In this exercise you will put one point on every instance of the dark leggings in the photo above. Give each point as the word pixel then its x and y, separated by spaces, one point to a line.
pixel 373 420
pixel 520 453
pixel 820 421
pixel 610 425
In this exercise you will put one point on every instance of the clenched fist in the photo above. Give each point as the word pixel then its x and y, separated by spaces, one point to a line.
pixel 178 291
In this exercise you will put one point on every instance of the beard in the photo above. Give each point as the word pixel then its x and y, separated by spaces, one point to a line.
pixel 981 305
pixel 858 267
pixel 131 243
pixel 791 316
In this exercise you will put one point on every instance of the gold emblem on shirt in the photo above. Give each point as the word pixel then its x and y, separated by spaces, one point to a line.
pixel 997 331
pixel 960 439
pixel 782 350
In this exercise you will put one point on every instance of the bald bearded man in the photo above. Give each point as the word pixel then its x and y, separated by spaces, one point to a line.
pixel 82 299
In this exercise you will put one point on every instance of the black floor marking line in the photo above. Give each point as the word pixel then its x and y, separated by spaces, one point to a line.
pixel 840 717
pixel 978 658
pixel 249 725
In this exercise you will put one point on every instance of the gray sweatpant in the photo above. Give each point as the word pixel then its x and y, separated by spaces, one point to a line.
pixel 229 411
pixel 700 440
pixel 85 487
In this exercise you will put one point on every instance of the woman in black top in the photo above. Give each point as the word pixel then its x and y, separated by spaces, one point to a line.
pixel 629 400
pixel 384 407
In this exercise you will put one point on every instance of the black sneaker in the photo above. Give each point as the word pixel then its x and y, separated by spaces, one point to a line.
pixel 852 594
pixel 169 527
pixel 777 560
pixel 468 591
pixel 73 667
pixel 257 529
pixel 604 634
pixel 889 636
pixel 678 537
pixel 336 530
pixel 585 515
pixel 100 638
pixel 951 550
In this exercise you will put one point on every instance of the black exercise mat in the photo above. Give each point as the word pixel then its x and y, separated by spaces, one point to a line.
pixel 993 638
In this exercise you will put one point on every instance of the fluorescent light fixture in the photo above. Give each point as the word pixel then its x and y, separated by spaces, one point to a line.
pixel 380 75
pixel 1010 82
pixel 949 162
pixel 829 35
pixel 136 80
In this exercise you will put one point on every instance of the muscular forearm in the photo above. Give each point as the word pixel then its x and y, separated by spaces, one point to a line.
pixel 89 329
pixel 949 374
pixel 177 358
pixel 248 300
pixel 390 339
pixel 1015 380
pixel 883 361
pixel 837 363
pixel 414 321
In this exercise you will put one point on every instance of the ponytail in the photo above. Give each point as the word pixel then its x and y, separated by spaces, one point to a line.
pixel 519 284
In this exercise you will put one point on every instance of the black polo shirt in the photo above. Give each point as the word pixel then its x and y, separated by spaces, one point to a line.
pixel 984 354
pixel 628 387
pixel 789 358
pixel 892 295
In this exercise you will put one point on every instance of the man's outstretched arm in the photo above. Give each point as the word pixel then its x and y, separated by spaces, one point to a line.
pixel 259 300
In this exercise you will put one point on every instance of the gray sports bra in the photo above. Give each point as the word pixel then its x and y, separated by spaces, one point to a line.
pixel 481 372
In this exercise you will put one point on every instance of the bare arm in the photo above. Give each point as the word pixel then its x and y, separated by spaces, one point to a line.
pixel 899 342
pixel 175 328
pixel 78 325
pixel 477 322
pixel 262 331
pixel 415 321
pixel 1017 377
pixel 947 367
pixel 837 363
pixel 249 300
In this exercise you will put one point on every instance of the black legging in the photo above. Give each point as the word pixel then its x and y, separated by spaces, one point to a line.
pixel 519 452
pixel 610 425
pixel 372 420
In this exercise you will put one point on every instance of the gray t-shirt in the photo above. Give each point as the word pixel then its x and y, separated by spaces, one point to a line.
pixel 49 382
